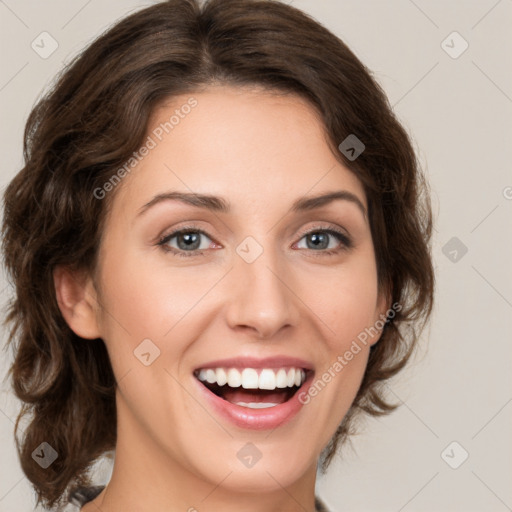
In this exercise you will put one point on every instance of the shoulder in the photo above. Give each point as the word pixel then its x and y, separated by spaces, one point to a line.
pixel 80 497
pixel 319 505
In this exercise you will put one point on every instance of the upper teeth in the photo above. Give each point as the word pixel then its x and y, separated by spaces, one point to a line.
pixel 249 378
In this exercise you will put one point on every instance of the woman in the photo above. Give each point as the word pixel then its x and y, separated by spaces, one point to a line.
pixel 220 249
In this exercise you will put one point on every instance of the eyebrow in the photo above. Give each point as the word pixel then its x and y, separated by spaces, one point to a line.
pixel 219 204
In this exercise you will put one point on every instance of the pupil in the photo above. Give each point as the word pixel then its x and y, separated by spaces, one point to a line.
pixel 191 240
pixel 317 237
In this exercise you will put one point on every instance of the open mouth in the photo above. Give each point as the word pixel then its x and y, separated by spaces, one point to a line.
pixel 253 388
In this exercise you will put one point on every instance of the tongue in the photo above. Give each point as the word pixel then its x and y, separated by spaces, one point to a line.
pixel 254 396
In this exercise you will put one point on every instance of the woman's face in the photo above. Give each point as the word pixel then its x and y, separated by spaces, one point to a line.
pixel 259 292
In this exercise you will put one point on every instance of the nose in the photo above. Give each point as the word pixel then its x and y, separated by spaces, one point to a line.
pixel 262 301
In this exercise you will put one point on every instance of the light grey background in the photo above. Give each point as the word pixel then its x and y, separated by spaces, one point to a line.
pixel 459 111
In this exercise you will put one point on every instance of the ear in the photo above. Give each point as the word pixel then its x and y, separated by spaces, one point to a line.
pixel 381 312
pixel 77 300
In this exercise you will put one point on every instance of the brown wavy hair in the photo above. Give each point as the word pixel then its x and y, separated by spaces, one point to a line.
pixel 89 124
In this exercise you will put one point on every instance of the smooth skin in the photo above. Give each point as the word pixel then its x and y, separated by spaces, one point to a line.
pixel 260 151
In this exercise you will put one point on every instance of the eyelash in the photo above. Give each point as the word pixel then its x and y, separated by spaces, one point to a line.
pixel 340 236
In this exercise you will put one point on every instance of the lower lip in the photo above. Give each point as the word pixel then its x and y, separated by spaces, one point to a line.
pixel 256 419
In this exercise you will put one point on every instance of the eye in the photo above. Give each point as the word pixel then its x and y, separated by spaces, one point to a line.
pixel 326 241
pixel 185 242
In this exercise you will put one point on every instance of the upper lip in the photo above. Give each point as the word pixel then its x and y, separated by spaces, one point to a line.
pixel 258 362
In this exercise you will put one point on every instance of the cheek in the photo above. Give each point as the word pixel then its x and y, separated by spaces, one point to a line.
pixel 145 300
pixel 345 301
pixel 156 302
pixel 347 310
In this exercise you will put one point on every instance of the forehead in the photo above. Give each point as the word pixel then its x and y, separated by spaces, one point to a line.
pixel 252 145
